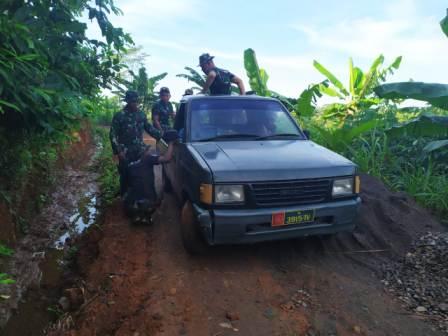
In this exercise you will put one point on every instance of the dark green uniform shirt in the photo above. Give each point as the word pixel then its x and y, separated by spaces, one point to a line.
pixel 165 112
pixel 126 133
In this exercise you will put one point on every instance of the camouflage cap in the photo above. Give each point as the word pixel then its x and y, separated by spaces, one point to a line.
pixel 164 91
pixel 205 58
pixel 131 96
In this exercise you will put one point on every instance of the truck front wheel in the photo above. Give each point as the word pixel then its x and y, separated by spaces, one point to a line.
pixel 194 243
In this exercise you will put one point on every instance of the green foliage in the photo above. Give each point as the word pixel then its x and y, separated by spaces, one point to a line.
pixel 435 146
pixel 403 165
pixel 306 104
pixel 28 157
pixel 195 77
pixel 5 251
pixel 359 96
pixel 258 78
pixel 5 279
pixel 146 87
pixel 108 180
pixel 338 139
pixel 47 64
pixel 370 153
pixel 101 109
pixel 428 187
pixel 435 126
pixel 444 24
pixel 435 94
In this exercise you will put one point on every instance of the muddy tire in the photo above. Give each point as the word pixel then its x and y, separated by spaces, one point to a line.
pixel 192 239
pixel 167 187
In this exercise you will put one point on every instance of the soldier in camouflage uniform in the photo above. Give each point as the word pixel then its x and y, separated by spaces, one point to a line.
pixel 126 136
pixel 162 111
pixel 218 80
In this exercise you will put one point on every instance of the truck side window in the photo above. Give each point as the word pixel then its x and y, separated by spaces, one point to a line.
pixel 179 121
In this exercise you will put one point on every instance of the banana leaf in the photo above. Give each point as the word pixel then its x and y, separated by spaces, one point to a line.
pixel 257 77
pixel 371 76
pixel 193 76
pixel 433 93
pixel 424 125
pixel 390 69
pixel 283 99
pixel 357 76
pixel 444 24
pixel 332 78
pixel 435 145
pixel 152 81
pixel 306 104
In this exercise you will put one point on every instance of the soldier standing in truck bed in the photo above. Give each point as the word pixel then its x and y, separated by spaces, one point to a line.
pixel 219 81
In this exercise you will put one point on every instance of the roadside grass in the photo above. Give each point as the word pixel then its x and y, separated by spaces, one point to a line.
pixel 108 180
pixel 403 166
pixel 427 186
pixel 5 279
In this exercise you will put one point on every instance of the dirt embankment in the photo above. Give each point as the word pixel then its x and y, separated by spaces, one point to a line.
pixel 35 184
pixel 139 281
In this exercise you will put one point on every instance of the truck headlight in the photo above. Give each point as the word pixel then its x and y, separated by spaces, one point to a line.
pixel 342 187
pixel 229 194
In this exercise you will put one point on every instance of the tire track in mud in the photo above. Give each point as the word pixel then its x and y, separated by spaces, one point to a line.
pixel 306 286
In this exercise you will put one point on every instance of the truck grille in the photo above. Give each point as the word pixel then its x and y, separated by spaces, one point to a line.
pixel 292 192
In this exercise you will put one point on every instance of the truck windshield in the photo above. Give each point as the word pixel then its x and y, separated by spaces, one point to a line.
pixel 239 119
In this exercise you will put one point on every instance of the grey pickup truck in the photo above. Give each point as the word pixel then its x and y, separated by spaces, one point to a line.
pixel 245 172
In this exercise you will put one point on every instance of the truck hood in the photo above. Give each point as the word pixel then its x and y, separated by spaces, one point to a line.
pixel 250 161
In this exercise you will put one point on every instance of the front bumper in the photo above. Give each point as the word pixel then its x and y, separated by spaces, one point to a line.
pixel 254 225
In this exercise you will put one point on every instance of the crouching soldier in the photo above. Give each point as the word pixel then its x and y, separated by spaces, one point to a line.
pixel 135 163
pixel 141 199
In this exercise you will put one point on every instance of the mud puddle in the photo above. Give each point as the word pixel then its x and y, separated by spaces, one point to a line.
pixel 39 306
pixel 40 259
pixel 80 220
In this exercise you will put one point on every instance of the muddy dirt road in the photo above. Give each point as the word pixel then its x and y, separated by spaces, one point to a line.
pixel 139 281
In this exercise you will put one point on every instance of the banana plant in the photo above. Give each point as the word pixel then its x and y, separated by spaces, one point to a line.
pixel 143 85
pixel 306 104
pixel 436 95
pixel 358 96
pixel 444 24
pixel 433 93
pixel 195 77
pixel 435 146
pixel 430 126
pixel 425 125
pixel 258 77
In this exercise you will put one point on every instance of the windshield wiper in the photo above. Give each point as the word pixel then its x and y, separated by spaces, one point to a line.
pixel 279 135
pixel 229 136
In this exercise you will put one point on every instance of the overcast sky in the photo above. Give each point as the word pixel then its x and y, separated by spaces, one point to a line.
pixel 287 36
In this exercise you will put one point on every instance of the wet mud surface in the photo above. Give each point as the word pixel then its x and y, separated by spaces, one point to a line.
pixel 139 280
pixel 37 264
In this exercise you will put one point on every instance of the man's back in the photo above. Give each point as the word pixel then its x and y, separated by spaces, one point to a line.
pixel 222 83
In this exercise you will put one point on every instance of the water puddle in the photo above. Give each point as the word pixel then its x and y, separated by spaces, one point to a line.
pixel 84 217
